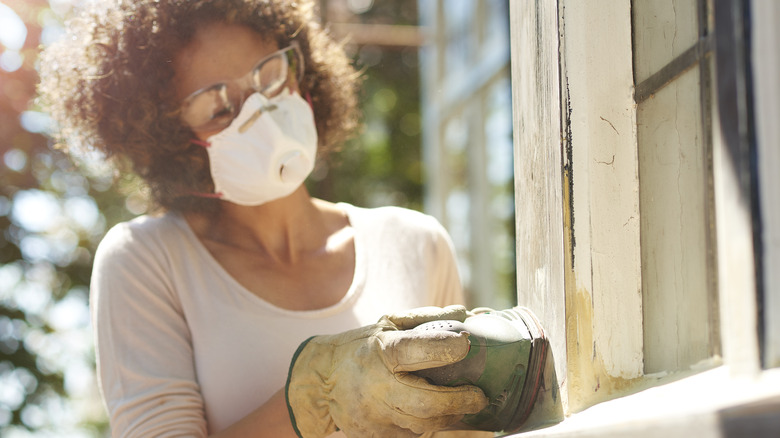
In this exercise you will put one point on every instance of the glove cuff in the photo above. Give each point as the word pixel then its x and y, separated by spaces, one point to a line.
pixel 287 386
pixel 303 391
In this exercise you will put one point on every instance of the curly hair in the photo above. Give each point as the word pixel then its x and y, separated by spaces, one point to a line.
pixel 108 84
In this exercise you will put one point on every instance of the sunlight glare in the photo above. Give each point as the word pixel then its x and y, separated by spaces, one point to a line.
pixel 35 210
pixel 13 32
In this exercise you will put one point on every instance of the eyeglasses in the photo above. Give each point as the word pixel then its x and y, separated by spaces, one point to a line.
pixel 213 108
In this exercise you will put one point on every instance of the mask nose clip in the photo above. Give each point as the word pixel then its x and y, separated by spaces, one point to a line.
pixel 256 115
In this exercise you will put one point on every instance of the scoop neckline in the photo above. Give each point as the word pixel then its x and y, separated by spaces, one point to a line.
pixel 358 276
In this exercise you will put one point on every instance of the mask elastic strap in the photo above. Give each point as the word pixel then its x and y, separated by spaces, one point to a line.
pixel 204 144
pixel 207 195
pixel 199 142
pixel 308 99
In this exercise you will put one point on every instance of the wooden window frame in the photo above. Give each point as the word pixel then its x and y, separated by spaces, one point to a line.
pixel 601 389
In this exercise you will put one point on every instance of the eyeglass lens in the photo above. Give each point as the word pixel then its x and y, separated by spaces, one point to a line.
pixel 215 107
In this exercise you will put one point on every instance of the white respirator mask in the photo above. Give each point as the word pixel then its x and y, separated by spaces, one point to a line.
pixel 266 152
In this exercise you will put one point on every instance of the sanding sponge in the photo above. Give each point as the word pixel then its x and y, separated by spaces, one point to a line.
pixel 507 354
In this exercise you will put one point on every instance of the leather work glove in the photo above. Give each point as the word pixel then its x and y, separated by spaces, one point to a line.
pixel 359 381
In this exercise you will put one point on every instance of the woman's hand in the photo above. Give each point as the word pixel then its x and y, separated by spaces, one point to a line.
pixel 359 381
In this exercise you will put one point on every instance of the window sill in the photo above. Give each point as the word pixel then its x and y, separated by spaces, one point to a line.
pixel 709 404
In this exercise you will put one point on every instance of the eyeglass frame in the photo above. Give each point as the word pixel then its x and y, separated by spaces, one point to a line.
pixel 246 78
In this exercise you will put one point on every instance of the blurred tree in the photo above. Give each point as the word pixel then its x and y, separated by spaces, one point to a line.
pixel 53 212
pixel 383 165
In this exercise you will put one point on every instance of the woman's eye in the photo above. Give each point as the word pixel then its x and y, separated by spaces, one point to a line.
pixel 225 111
pixel 270 76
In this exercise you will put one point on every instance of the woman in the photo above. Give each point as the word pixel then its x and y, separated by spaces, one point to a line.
pixel 222 108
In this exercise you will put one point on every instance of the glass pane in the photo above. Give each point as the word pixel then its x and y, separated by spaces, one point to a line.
pixel 663 29
pixel 675 240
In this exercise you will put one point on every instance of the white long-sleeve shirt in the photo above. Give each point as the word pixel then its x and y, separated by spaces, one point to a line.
pixel 184 349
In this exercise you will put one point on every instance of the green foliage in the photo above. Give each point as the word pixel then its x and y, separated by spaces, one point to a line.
pixel 53 213
pixel 383 165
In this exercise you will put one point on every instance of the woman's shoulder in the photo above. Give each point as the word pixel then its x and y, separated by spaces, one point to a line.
pixel 396 219
pixel 145 227
pixel 388 214
pixel 141 234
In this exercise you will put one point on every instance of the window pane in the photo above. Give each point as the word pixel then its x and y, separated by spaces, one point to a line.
pixel 676 272
pixel 663 29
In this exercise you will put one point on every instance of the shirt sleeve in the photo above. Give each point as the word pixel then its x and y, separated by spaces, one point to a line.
pixel 143 345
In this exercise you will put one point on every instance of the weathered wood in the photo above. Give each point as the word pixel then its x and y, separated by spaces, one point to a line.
pixel 603 290
pixel 538 180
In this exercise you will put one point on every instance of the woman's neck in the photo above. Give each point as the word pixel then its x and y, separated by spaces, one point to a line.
pixel 284 230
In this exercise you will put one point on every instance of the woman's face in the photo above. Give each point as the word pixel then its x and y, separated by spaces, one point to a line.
pixel 218 53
